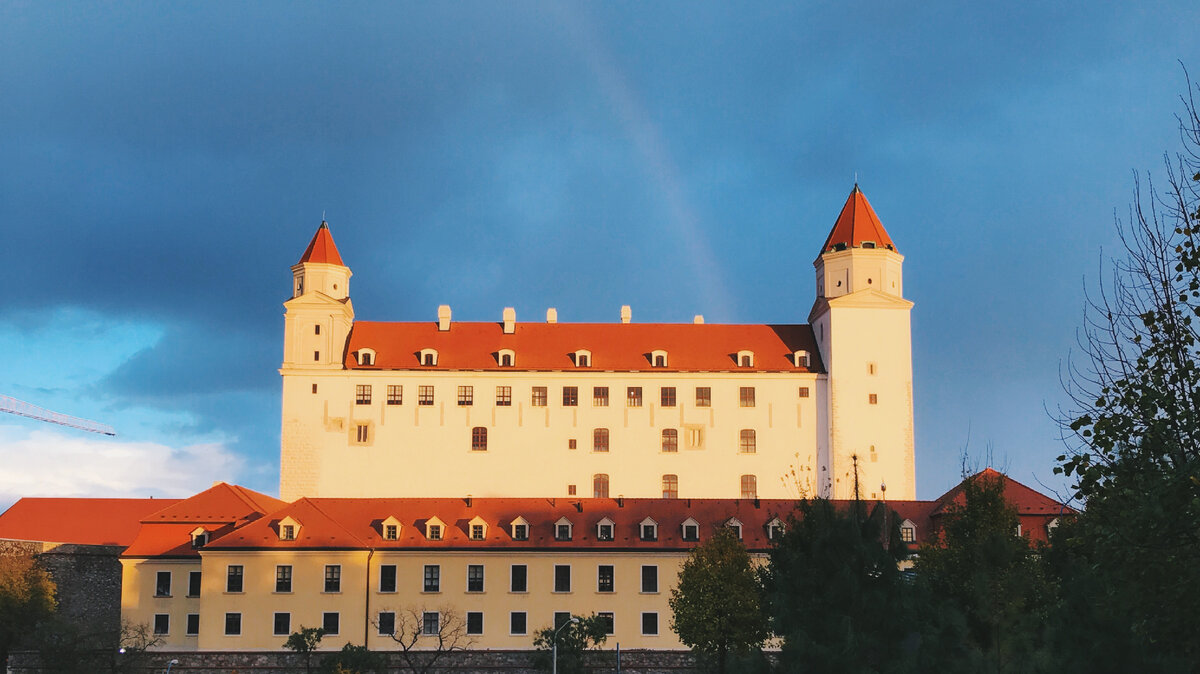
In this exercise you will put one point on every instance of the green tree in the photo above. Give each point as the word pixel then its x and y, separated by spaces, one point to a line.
pixel 717 607
pixel 574 641
pixel 305 641
pixel 26 600
pixel 354 660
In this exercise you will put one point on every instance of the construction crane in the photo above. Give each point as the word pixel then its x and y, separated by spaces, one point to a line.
pixel 24 409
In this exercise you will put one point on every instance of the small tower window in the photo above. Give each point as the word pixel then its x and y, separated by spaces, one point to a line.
pixel 316 329
pixel 868 244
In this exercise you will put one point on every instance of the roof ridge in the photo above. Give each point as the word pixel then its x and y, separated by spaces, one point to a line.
pixel 334 520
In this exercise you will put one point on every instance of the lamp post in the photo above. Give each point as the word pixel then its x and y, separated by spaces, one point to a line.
pixel 554 650
pixel 171 664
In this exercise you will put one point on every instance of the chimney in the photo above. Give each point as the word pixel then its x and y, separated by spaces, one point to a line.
pixel 698 319
pixel 444 318
pixel 626 314
pixel 621 501
pixel 468 499
pixel 552 315
pixel 510 320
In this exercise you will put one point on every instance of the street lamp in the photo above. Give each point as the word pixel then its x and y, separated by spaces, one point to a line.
pixel 171 664
pixel 554 657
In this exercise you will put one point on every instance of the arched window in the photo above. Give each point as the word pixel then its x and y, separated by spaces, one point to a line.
pixel 600 485
pixel 508 357
pixel 600 440
pixel 745 358
pixel 749 486
pixel 748 441
pixel 658 358
pixel 479 439
pixel 670 486
pixel 670 440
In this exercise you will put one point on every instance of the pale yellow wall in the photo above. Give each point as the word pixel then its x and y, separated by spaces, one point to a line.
pixel 139 605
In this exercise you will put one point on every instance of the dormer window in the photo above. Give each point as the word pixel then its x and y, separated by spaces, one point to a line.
pixel 583 358
pixel 366 356
pixel 199 538
pixel 775 529
pixel 506 357
pixel 520 529
pixel 745 358
pixel 429 357
pixel 477 528
pixel 868 244
pixel 605 530
pixel 649 530
pixel 390 528
pixel 691 530
pixel 908 531
pixel 735 525
pixel 801 358
pixel 658 358
pixel 434 528
pixel 562 529
pixel 289 529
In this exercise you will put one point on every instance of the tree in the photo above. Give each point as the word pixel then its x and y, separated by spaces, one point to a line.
pixel 574 641
pixel 354 659
pixel 305 641
pixel 26 600
pixel 445 631
pixel 717 608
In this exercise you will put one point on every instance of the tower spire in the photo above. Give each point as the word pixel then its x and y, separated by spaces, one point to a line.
pixel 322 249
pixel 857 224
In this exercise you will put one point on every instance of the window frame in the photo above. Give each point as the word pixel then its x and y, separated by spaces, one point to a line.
pixel 746 396
pixel 478 617
pixel 395 394
pixel 513 617
pixel 287 628
pixel 362 394
pixel 562 578
pixel 647 576
pixel 633 396
pixel 600 439
pixel 165 619
pixel 191 627
pixel 503 396
pixel 703 396
pixel 383 587
pixel 654 616
pixel 233 619
pixel 426 395
pixel 431 580
pixel 747 441
pixel 466 395
pixel 283 579
pixel 479 439
pixel 539 396
pixel 337 622
pixel 600 485
pixel 475 578
pixel 194 582
pixel 599 396
pixel 606 578
pixel 512 578
pixel 426 623
pixel 161 590
pixel 667 396
pixel 670 486
pixel 379 623
pixel 570 396
pixel 333 579
pixel 235 572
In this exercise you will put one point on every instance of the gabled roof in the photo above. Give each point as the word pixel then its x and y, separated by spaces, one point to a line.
pixel 83 521
pixel 219 504
pixel 614 346
pixel 322 249
pixel 320 530
pixel 1027 500
pixel 857 223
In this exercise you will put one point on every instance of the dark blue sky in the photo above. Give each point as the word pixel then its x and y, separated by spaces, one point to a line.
pixel 165 163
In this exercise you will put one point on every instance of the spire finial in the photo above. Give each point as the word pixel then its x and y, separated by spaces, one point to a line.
pixel 323 222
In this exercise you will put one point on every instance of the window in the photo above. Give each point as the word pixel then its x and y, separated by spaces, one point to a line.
pixel 571 444
pixel 570 396
pixel 650 579
pixel 433 578
pixel 873 399
pixel 162 623
pixel 746 396
pixel 703 396
pixel 649 531
pixel 562 578
pixel 803 391
pixel 362 433
pixel 600 396
pixel 424 395
pixel 583 358
pixel 633 396
pixel 395 394
pixel 477 532
pixel 908 534
pixel 562 531
pixel 430 623
pixel 283 578
pixel 748 441
pixel 870 368
pixel 658 358
pixel 387 578
pixel 233 624
pixel 604 578
pixel 670 486
pixel 193 624
pixel 650 624
pixel 749 486
pixel 520 532
pixel 316 329
pixel 391 532
pixel 561 618
pixel 429 357
pixel 518 578
pixel 386 623
pixel 333 577
pixel 604 530
pixel 366 357
pixel 670 440
pixel 503 396
pixel 507 358
pixel 600 485
pixel 434 532
pixel 331 622
pixel 474 622
pixel 314 388
pixel 466 395
pixel 474 578
pixel 316 355
pixel 479 439
pixel 193 583
pixel 570 490
pixel 162 584
pixel 695 437
pixel 745 358
pixel 199 539
pixel 775 530
pixel 666 396
pixel 538 399
pixel 734 525
pixel 283 624
pixel 287 532
pixel 600 440
pixel 691 531
pixel 801 358
pixel 606 619
pixel 362 394
pixel 233 581
pixel 516 623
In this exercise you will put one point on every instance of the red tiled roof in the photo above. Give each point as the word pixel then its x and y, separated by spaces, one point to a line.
pixel 1028 501
pixel 321 248
pixel 219 509
pixel 857 223
pixel 84 521
pixel 614 346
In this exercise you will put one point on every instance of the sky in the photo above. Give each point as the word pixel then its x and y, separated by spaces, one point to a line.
pixel 164 164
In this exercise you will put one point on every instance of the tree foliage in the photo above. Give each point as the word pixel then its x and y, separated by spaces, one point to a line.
pixel 574 641
pixel 26 600
pixel 306 641
pixel 716 607
pixel 354 659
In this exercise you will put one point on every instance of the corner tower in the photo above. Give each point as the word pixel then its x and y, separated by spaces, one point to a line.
pixel 863 330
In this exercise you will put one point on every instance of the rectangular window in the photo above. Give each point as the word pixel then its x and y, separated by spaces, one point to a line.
pixel 233 581
pixel 873 399
pixel 518 578
pixel 466 395
pixel 316 355
pixel 604 578
pixel 649 532
pixel 650 579
pixel 803 391
pixel 670 440
pixel 600 440
pixel 703 396
pixel 395 394
pixel 474 578
pixel 193 583
pixel 749 486
pixel 606 619
pixel 424 395
pixel 666 396
pixel 287 532
pixel 333 577
pixel 604 532
pixel 520 532
pixel 748 442
pixel 233 624
pixel 691 532
pixel 570 396
pixel 391 532
pixel 331 622
pixel 433 578
pixel 435 532
pixel 362 433
pixel 670 486
pixel 479 439
pixel 562 532
pixel 633 396
pixel 503 396
pixel 477 532
pixel 561 618
pixel 600 396
pixel 562 577
pixel 650 624
pixel 283 624
pixel 430 623
pixel 283 578
pixel 314 389
pixel 538 399
pixel 474 622
pixel 193 624
pixel 517 623
pixel 746 396
pixel 362 394
pixel 162 623
pixel 386 623
pixel 162 584
pixel 908 534
pixel 387 578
